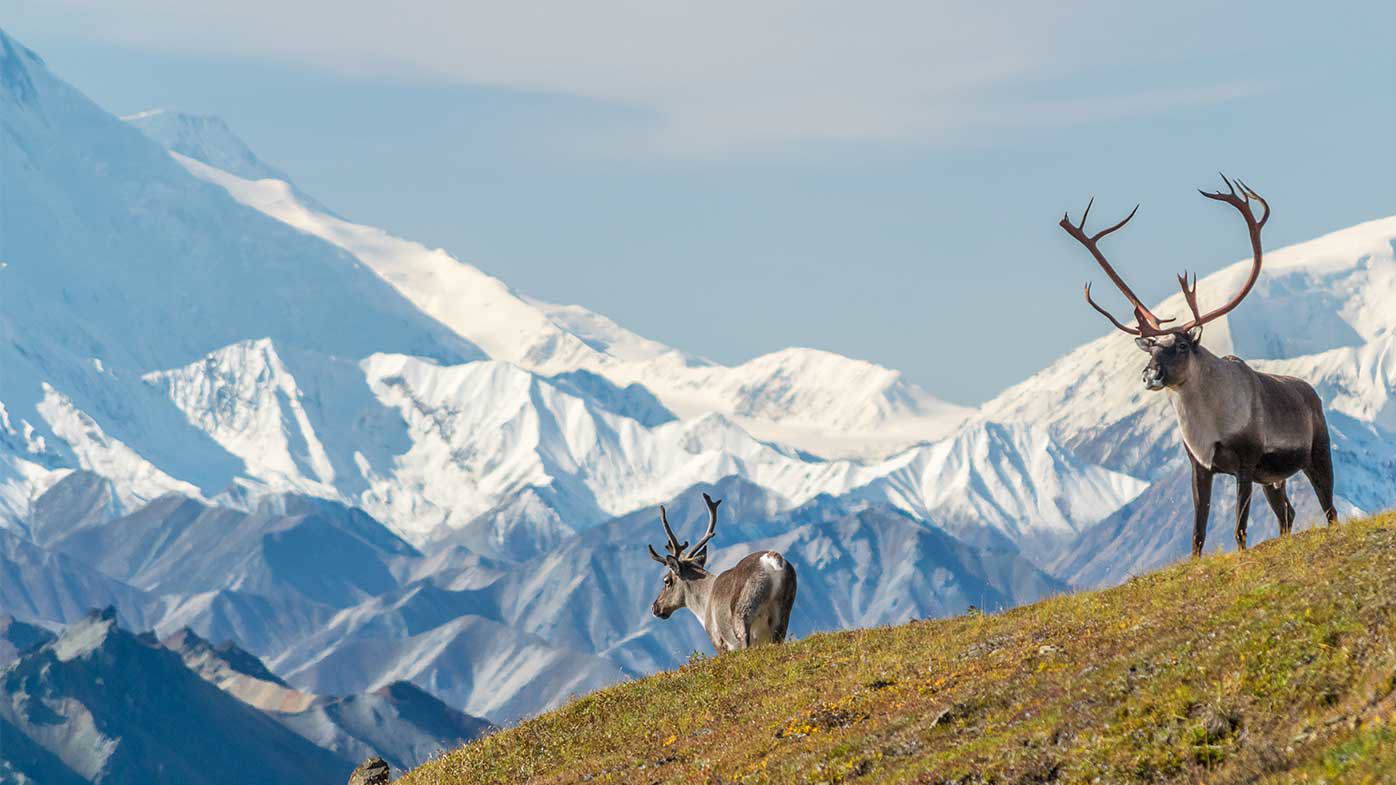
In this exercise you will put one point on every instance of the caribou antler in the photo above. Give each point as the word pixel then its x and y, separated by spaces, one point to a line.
pixel 1150 325
pixel 672 546
pixel 1242 202
pixel 1190 295
pixel 701 547
pixel 675 548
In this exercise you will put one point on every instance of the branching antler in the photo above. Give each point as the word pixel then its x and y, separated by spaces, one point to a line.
pixel 672 546
pixel 1242 202
pixel 1149 325
pixel 1107 314
pixel 1190 295
pixel 700 549
pixel 676 549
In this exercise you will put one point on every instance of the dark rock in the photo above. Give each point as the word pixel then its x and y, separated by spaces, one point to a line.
pixel 373 771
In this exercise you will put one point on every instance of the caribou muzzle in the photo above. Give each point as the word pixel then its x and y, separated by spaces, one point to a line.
pixel 1154 377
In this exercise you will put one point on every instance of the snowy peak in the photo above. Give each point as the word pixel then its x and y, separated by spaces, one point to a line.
pixel 777 382
pixel 507 462
pixel 814 400
pixel 816 388
pixel 995 483
pixel 475 305
pixel 176 268
pixel 633 400
pixel 1338 290
pixel 1333 291
pixel 204 138
pixel 249 402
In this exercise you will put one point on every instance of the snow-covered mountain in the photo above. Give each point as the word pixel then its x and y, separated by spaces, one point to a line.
pixel 116 263
pixel 393 407
pixel 812 400
pixel 204 138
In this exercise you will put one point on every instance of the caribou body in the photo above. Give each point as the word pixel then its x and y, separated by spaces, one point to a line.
pixel 745 606
pixel 1257 427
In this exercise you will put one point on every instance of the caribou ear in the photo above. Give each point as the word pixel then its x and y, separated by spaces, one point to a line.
pixel 1144 343
pixel 673 564
pixel 1195 336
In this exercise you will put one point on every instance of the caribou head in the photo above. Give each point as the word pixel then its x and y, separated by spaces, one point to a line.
pixel 685 565
pixel 1172 348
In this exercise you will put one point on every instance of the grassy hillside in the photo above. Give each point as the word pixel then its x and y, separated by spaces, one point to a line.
pixel 1277 666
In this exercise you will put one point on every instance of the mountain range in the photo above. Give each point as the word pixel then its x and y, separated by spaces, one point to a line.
pixel 402 490
pixel 98 703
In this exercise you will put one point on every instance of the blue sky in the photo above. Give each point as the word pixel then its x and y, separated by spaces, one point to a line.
pixel 882 180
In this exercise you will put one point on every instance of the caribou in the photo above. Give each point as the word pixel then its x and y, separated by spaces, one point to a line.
pixel 745 606
pixel 1256 427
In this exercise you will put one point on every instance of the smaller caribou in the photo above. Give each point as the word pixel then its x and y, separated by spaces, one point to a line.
pixel 745 606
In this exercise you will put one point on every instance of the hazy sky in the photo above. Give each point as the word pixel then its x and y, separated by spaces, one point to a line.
pixel 877 179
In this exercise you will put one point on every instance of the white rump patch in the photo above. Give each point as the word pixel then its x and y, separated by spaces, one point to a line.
pixel 772 561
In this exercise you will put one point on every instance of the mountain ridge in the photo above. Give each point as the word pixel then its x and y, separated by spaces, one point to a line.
pixel 72 697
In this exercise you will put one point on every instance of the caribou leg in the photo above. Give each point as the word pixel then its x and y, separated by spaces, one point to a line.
pixel 1201 505
pixel 1320 474
pixel 1279 502
pixel 1244 486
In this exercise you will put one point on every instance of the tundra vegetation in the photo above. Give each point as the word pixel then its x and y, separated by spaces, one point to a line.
pixel 1273 665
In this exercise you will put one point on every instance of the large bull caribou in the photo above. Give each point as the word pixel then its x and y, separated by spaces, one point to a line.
pixel 1257 427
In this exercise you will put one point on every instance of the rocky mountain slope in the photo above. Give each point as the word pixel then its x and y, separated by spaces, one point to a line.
pixel 99 704
pixel 399 722
pixel 337 605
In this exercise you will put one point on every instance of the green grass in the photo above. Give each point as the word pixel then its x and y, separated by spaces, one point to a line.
pixel 1277 665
